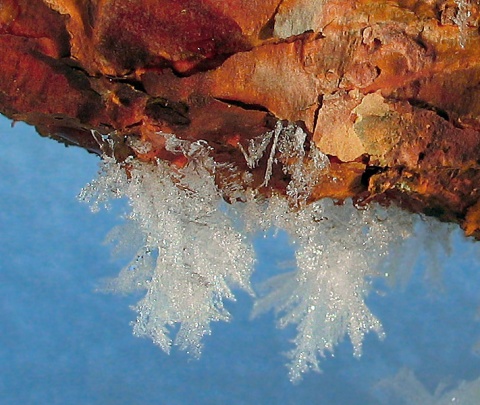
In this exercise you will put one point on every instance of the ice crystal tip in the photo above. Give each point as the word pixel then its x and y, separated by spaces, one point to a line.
pixel 409 388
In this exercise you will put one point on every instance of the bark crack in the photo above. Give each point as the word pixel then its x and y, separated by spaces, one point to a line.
pixel 243 105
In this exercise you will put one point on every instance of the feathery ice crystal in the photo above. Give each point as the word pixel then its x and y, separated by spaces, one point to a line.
pixel 340 248
pixel 190 254
pixel 406 386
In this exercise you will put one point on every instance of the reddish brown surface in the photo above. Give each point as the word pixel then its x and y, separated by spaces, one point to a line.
pixel 389 89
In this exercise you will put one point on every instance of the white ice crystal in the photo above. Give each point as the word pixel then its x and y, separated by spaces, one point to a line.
pixel 405 388
pixel 289 144
pixel 339 249
pixel 462 18
pixel 189 256
pixel 256 148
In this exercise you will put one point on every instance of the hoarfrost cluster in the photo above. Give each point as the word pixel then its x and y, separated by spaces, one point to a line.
pixel 340 248
pixel 192 251
pixel 463 18
pixel 189 255
pixel 289 142
pixel 406 386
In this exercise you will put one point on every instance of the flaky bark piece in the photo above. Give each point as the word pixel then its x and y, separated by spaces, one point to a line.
pixel 388 89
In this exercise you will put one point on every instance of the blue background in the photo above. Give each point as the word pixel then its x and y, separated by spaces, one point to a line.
pixel 63 343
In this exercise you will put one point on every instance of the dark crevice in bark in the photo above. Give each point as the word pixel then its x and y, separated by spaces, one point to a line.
pixel 204 65
pixel 267 30
pixel 135 84
pixel 161 109
pixel 317 112
pixel 242 105
pixel 426 106
pixel 371 171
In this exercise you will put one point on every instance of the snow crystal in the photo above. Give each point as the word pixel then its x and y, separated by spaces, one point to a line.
pixel 271 159
pixel 189 252
pixel 289 145
pixel 405 388
pixel 339 249
pixel 190 255
pixel 256 149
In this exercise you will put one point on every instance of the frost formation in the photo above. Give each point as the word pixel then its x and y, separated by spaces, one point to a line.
pixel 340 248
pixel 190 255
pixel 289 142
pixel 405 385
pixel 463 17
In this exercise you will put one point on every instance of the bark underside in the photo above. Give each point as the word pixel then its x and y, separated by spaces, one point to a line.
pixel 390 90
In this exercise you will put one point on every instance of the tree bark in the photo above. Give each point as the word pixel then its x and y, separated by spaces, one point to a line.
pixel 389 90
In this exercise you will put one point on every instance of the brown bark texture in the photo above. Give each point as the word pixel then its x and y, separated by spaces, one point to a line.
pixel 389 90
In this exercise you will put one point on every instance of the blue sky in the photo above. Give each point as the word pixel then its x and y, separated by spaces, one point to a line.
pixel 61 342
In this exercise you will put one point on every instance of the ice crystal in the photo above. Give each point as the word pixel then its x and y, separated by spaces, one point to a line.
pixel 405 388
pixel 462 19
pixel 256 149
pixel 189 254
pixel 289 144
pixel 339 249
